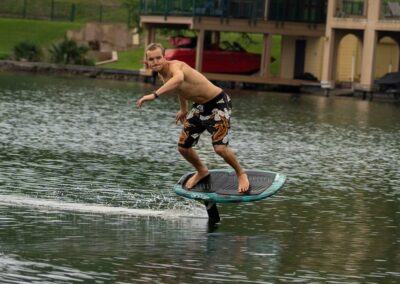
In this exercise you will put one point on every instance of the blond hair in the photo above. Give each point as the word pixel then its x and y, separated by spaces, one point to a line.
pixel 153 46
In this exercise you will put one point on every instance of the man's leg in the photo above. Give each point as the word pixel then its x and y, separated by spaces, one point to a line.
pixel 201 169
pixel 229 157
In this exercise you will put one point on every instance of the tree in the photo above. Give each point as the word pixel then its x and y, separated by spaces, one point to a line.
pixel 133 7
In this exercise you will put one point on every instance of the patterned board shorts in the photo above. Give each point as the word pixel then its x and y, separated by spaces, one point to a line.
pixel 213 116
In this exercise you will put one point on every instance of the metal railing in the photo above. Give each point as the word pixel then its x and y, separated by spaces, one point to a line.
pixel 61 10
pixel 309 11
pixel 390 10
pixel 277 10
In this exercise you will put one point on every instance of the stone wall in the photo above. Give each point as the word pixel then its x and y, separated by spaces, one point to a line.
pixel 105 37
pixel 86 71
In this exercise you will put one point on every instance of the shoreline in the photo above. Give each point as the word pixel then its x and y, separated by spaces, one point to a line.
pixel 87 71
pixel 138 76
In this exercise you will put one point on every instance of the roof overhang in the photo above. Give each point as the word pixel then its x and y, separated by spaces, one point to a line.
pixel 233 25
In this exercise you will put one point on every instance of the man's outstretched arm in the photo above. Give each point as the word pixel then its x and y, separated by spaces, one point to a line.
pixel 173 83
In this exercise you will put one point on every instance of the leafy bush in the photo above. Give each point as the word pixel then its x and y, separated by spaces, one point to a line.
pixel 27 50
pixel 69 52
pixel 3 56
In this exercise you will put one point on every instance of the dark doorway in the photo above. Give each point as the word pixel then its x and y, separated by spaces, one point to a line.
pixel 300 57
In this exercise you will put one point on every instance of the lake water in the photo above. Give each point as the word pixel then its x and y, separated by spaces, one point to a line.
pixel 86 189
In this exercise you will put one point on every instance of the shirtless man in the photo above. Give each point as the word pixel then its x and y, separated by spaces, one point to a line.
pixel 210 111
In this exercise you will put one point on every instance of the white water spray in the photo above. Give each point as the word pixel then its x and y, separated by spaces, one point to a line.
pixel 55 205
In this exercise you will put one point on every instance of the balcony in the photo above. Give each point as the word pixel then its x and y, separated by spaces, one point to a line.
pixel 308 11
pixel 390 10
pixel 351 9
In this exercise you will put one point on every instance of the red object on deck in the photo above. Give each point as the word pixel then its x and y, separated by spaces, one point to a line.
pixel 219 61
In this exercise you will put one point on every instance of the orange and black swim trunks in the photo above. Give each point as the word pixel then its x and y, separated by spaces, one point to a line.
pixel 213 116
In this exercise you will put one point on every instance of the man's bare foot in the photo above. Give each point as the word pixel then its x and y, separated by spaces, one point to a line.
pixel 243 182
pixel 194 179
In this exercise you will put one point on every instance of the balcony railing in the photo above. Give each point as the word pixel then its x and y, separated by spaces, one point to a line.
pixel 350 8
pixel 313 11
pixel 390 10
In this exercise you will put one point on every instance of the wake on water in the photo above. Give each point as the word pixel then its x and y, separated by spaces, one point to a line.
pixel 178 211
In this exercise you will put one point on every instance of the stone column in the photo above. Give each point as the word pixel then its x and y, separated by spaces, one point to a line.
pixel 216 38
pixel 199 50
pixel 328 63
pixel 266 56
pixel 150 36
pixel 369 46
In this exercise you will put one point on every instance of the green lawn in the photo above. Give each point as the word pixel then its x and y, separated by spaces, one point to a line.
pixel 43 33
pixel 46 32
pixel 128 60
pixel 133 59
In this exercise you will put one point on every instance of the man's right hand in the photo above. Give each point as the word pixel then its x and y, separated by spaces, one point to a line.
pixel 143 99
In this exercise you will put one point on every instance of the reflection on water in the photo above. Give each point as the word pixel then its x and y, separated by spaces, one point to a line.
pixel 86 189
pixel 115 249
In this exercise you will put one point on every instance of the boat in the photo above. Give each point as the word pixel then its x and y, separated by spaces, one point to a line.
pixel 228 58
pixel 390 84
pixel 390 80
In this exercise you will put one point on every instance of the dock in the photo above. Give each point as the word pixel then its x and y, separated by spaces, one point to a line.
pixel 261 80
pixel 143 75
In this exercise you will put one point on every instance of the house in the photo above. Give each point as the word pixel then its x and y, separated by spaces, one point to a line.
pixel 337 41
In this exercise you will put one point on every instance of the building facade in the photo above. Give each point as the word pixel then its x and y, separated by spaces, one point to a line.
pixel 337 41
pixel 361 42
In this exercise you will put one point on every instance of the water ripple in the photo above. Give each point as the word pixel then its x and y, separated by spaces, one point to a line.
pixel 84 175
